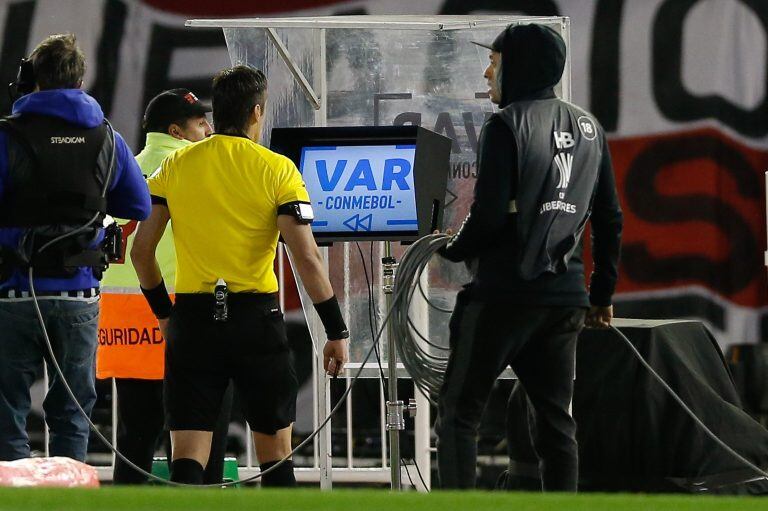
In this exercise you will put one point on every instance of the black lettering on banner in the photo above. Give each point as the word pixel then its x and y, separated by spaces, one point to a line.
pixel 108 54
pixel 604 81
pixel 674 101
pixel 744 261
pixel 157 337
pixel 18 24
pixel 163 42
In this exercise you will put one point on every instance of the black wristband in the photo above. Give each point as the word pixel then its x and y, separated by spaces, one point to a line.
pixel 159 300
pixel 330 315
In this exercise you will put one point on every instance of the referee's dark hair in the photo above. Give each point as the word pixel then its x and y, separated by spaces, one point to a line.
pixel 236 91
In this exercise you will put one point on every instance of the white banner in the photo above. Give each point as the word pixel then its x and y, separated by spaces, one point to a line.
pixel 680 86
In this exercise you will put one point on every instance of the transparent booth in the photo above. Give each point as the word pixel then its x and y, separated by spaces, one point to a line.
pixel 377 71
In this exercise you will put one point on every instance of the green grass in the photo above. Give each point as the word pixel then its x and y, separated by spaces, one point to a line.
pixel 169 499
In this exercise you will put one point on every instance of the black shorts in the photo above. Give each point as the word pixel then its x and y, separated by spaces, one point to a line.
pixel 251 348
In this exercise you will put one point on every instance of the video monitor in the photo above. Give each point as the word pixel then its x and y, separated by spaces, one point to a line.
pixel 370 183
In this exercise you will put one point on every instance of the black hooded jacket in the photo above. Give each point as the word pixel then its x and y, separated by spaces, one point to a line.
pixel 533 255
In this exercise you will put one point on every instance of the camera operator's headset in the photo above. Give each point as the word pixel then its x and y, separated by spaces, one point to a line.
pixel 25 80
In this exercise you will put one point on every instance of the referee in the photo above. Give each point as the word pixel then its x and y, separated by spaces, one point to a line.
pixel 228 199
pixel 173 119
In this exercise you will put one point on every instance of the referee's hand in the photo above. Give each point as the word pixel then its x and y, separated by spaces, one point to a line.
pixel 335 355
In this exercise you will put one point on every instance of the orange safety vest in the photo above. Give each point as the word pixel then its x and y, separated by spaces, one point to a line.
pixel 130 342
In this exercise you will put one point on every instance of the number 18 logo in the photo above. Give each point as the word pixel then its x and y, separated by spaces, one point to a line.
pixel 587 127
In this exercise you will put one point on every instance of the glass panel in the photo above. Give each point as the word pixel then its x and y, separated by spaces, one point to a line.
pixel 385 77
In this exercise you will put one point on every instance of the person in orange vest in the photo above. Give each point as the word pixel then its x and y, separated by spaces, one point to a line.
pixel 131 347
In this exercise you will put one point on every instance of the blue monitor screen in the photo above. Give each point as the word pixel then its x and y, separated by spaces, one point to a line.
pixel 361 188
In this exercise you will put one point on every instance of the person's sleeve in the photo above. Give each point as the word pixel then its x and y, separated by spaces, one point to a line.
pixel 158 183
pixel 128 196
pixel 496 164
pixel 607 222
pixel 290 187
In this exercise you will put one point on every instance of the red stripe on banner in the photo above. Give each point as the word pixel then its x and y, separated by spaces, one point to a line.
pixel 694 214
pixel 235 7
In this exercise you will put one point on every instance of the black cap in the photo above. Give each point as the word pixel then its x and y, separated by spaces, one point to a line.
pixel 497 43
pixel 175 105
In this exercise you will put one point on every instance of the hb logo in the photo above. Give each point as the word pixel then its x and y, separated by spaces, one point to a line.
pixel 563 139
pixel 563 161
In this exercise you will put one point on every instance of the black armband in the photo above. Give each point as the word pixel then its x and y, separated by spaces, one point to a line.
pixel 330 315
pixel 301 211
pixel 159 300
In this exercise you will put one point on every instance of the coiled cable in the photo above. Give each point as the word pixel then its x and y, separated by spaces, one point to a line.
pixel 424 360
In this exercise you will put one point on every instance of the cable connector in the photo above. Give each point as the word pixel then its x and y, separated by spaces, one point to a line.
pixel 389 269
pixel 395 418
pixel 411 408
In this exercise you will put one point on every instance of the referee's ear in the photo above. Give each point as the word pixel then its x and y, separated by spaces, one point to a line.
pixel 257 117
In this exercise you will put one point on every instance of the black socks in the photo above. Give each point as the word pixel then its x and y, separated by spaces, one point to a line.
pixel 282 476
pixel 189 471
pixel 186 470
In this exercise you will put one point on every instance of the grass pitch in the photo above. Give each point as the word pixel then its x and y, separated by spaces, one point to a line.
pixel 170 499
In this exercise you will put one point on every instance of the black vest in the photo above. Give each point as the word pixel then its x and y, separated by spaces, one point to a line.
pixel 559 149
pixel 57 176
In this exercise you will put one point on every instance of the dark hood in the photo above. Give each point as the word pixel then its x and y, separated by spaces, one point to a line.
pixel 532 62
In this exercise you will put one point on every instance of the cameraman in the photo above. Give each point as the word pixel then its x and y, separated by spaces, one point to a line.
pixel 62 169
pixel 229 199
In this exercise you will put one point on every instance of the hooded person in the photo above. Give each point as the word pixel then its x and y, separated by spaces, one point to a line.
pixel 544 170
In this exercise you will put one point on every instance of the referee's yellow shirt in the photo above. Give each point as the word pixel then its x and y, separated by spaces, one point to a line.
pixel 223 194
